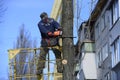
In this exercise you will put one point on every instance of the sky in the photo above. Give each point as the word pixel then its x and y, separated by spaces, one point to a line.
pixel 19 12
pixel 27 12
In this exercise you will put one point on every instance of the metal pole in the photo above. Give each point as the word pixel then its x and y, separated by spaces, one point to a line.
pixel 10 70
pixel 35 61
pixel 15 69
pixel 29 67
pixel 10 78
pixel 48 66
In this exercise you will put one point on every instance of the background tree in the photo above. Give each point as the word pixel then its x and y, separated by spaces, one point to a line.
pixel 2 9
pixel 23 41
pixel 68 46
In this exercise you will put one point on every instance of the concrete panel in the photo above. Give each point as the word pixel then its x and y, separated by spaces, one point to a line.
pixel 115 31
pixel 89 66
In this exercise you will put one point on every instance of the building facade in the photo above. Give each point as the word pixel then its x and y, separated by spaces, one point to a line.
pixel 86 60
pixel 104 31
pixel 106 27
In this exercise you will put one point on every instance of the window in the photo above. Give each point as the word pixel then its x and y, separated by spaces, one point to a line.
pixel 100 58
pixel 108 76
pixel 97 31
pixel 107 19
pixel 85 32
pixel 105 51
pixel 116 52
pixel 102 22
pixel 115 11
pixel 113 75
pixel 110 18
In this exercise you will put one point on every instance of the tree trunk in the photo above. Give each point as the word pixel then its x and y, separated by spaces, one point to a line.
pixel 68 47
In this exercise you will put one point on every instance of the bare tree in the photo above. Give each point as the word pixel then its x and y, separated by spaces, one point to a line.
pixel 25 60
pixel 23 41
pixel 68 47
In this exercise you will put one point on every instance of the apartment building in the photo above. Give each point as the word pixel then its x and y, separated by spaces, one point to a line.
pixel 107 26
pixel 115 39
pixel 103 29
pixel 86 54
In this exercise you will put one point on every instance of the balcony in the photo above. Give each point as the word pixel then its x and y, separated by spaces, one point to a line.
pixel 87 61
pixel 87 46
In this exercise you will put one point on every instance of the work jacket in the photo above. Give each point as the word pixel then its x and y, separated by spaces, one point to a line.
pixel 50 26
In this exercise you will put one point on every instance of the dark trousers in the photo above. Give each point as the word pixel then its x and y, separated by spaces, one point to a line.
pixel 41 62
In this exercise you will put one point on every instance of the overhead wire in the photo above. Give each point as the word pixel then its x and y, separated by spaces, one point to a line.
pixel 79 8
pixel 93 2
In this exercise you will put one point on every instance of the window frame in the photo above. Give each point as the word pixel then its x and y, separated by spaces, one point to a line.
pixel 105 51
pixel 116 51
pixel 102 22
pixel 97 30
pixel 115 8
pixel 114 13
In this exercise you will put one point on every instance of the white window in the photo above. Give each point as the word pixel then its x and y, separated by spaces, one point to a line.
pixel 105 51
pixel 116 52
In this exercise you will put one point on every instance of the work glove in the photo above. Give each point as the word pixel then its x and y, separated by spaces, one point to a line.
pixel 57 33
pixel 50 34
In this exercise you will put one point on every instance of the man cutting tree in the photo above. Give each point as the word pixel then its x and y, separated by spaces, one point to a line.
pixel 50 30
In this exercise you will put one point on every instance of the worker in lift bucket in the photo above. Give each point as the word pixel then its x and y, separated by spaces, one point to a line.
pixel 50 30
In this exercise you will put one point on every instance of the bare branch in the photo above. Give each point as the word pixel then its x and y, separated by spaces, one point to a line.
pixel 2 10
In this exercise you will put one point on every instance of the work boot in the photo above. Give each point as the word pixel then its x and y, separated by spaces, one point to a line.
pixel 39 74
pixel 39 77
pixel 59 70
